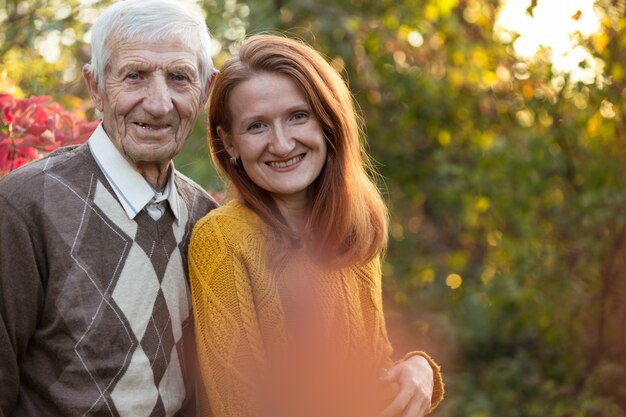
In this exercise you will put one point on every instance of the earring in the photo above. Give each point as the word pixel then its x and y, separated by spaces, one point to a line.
pixel 234 161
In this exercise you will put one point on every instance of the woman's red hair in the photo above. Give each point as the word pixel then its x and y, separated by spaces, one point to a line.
pixel 348 217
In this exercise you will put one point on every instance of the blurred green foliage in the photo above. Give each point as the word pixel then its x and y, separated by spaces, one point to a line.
pixel 504 178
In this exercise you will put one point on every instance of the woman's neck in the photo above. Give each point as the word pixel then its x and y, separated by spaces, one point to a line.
pixel 295 212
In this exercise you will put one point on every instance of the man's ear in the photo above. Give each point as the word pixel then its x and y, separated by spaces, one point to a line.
pixel 208 86
pixel 92 86
pixel 228 145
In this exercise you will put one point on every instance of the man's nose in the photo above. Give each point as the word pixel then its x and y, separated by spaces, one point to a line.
pixel 158 101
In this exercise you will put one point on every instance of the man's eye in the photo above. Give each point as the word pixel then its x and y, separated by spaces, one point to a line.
pixel 180 77
pixel 133 75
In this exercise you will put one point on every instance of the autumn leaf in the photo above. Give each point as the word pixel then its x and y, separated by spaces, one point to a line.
pixel 34 127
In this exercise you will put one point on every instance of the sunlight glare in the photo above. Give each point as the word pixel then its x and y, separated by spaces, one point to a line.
pixel 558 25
pixel 454 281
pixel 49 47
pixel 416 39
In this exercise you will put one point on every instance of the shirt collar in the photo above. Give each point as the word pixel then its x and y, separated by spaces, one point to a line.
pixel 130 187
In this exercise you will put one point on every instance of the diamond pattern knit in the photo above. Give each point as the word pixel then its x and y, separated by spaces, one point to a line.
pixel 96 316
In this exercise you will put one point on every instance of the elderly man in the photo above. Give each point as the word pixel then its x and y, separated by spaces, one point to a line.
pixel 94 299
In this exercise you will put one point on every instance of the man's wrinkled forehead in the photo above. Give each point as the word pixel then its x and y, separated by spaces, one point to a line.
pixel 115 43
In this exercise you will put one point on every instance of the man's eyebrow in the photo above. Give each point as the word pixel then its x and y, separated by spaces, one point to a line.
pixel 188 70
pixel 180 67
pixel 131 66
pixel 174 68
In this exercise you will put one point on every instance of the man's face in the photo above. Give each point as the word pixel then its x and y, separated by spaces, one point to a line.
pixel 151 99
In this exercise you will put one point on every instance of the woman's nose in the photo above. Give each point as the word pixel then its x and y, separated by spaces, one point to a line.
pixel 282 142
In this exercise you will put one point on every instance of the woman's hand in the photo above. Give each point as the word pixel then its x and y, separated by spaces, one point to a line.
pixel 414 377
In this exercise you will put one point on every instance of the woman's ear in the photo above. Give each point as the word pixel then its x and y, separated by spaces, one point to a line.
pixel 228 145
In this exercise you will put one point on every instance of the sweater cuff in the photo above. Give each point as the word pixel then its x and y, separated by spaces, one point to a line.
pixel 438 386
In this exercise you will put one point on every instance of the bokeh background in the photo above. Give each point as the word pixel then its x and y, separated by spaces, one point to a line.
pixel 499 130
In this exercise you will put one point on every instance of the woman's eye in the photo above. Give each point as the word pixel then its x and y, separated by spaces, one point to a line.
pixel 300 116
pixel 256 127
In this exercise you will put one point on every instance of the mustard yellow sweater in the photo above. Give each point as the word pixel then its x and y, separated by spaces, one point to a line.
pixel 272 332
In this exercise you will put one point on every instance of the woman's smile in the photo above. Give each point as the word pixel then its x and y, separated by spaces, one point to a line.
pixel 290 163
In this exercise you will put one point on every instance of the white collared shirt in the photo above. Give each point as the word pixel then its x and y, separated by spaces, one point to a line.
pixel 130 187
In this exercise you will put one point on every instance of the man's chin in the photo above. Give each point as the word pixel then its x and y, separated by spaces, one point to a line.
pixel 161 151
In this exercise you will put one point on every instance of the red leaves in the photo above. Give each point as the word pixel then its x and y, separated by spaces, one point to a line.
pixel 217 196
pixel 31 128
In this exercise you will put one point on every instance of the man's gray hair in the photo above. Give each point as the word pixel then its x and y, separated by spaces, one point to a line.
pixel 149 20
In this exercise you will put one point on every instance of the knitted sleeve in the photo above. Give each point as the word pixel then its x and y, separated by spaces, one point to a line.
pixel 374 271
pixel 21 297
pixel 229 344
pixel 438 386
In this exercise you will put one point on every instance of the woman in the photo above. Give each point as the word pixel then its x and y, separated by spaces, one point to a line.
pixel 286 277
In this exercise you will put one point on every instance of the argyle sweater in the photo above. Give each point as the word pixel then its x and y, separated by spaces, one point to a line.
pixel 95 314
pixel 284 338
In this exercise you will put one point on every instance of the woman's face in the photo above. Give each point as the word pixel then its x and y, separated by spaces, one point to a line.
pixel 275 133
